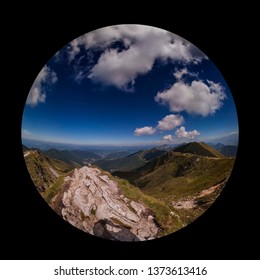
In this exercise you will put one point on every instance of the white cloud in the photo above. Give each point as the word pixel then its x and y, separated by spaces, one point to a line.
pixel 120 68
pixel 53 77
pixel 37 93
pixel 182 133
pixel 74 49
pixel 170 122
pixel 142 46
pixel 178 74
pixel 146 130
pixel 167 138
pixel 198 98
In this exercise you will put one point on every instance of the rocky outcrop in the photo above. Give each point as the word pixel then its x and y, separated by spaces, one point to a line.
pixel 94 203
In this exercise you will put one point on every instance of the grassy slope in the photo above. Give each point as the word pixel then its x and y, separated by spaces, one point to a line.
pixel 127 163
pixel 201 149
pixel 184 176
pixel 130 162
pixel 213 151
pixel 53 190
pixel 178 175
pixel 44 170
pixel 181 177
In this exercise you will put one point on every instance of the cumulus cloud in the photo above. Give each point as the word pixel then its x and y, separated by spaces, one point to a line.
pixel 170 122
pixel 167 139
pixel 198 98
pixel 142 45
pixel 183 134
pixel 120 68
pixel 37 93
pixel 146 130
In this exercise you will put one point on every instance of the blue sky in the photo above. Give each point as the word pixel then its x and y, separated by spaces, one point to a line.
pixel 129 85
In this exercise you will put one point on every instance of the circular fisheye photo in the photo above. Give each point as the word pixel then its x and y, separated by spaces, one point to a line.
pixel 129 133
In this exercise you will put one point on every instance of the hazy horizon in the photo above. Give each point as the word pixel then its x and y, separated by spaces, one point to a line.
pixel 39 143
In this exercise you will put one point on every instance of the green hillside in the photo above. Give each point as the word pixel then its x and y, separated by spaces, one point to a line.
pixel 75 158
pixel 44 170
pixel 184 182
pixel 177 175
pixel 201 149
pixel 117 155
pixel 185 176
pixel 130 162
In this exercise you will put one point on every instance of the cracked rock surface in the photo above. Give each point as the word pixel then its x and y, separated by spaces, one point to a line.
pixel 94 203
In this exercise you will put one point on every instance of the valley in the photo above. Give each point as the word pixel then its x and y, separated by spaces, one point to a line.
pixel 128 196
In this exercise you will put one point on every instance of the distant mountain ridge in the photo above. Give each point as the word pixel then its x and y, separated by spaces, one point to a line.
pixel 231 139
pixel 226 150
pixel 229 150
pixel 200 148
pixel 131 161
pixel 74 157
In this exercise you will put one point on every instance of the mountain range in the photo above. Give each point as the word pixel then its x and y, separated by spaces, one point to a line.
pixel 226 150
pixel 73 157
pixel 129 162
pixel 130 197
pixel 231 139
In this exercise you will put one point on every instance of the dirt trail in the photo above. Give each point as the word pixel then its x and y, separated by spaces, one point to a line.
pixel 191 203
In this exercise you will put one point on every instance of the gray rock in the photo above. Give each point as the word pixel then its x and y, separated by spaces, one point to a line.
pixel 93 203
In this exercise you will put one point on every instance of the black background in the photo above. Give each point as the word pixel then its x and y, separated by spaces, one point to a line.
pixel 29 229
